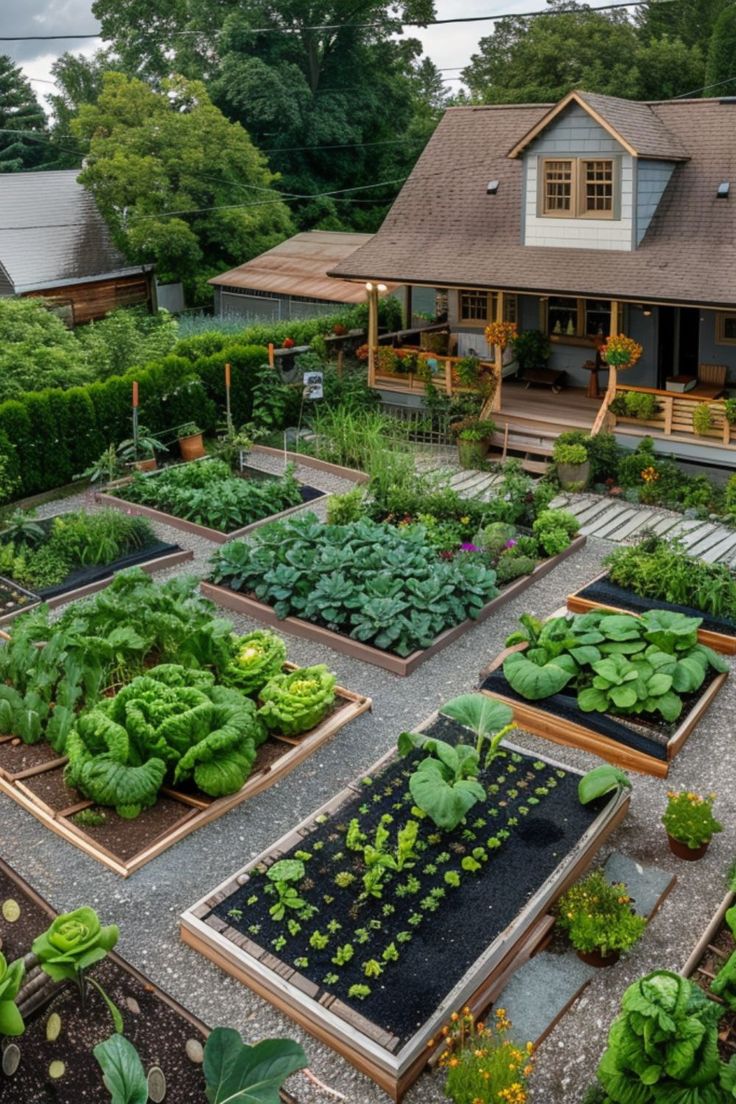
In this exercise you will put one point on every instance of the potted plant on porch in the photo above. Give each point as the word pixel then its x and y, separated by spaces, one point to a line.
pixel 572 465
pixel 474 437
pixel 191 441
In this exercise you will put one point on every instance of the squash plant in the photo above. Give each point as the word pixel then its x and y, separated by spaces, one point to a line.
pixel 615 663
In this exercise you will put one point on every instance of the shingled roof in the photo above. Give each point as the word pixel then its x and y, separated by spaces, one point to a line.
pixel 443 230
pixel 637 126
pixel 51 233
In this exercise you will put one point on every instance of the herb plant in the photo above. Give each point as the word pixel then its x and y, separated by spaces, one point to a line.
pixel 689 818
pixel 375 583
pixel 597 916
pixel 208 493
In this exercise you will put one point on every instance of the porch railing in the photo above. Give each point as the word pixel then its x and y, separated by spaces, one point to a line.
pixel 442 371
pixel 674 416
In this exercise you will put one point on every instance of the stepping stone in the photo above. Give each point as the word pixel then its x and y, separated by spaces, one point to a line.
pixel 639 521
pixel 561 502
pixel 695 536
pixel 647 885
pixel 541 992
pixel 598 509
pixel 682 528
pixel 666 525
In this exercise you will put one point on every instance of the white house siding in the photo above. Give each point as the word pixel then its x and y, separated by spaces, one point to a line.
pixel 575 134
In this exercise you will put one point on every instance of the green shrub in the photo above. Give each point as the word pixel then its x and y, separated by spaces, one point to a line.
pixel 511 567
pixel 568 453
pixel 344 508
pixel 702 419
pixel 492 538
pixel 554 529
pixel 637 404
pixel 597 916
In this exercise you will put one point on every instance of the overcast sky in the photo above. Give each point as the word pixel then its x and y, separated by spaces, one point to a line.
pixel 447 45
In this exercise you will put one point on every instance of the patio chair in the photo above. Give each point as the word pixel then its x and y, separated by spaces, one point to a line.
pixel 712 378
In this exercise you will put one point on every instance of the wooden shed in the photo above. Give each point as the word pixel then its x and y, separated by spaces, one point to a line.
pixel 54 243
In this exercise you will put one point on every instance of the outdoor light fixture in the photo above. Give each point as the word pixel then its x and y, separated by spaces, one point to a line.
pixel 723 189
pixel 492 187
pixel 381 287
pixel 646 311
pixel 369 286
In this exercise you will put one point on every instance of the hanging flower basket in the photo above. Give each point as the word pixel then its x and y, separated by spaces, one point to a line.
pixel 500 334
pixel 621 351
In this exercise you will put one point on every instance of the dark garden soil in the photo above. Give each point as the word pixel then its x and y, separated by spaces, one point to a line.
pixel 717 953
pixel 644 734
pixel 15 756
pixel 609 593
pixel 82 576
pixel 157 1030
pixel 449 927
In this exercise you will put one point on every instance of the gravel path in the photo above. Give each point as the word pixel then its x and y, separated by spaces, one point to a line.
pixel 148 904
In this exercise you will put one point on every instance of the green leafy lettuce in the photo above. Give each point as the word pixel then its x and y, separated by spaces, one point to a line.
pixel 258 657
pixel 296 702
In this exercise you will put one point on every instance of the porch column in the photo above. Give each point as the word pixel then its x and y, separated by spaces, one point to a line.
pixel 408 308
pixel 372 330
pixel 496 405
pixel 602 416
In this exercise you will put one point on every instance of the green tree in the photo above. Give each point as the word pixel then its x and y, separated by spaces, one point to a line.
pixel 37 350
pixel 720 71
pixel 542 59
pixel 177 183
pixel 125 338
pixel 78 81
pixel 22 121
pixel 354 86
pixel 690 21
pixel 668 67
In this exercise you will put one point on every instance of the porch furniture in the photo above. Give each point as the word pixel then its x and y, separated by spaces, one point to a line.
pixel 594 367
pixel 680 384
pixel 546 377
pixel 712 379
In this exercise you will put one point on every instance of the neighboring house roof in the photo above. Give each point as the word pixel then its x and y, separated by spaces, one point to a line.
pixel 299 265
pixel 52 234
pixel 635 125
pixel 443 230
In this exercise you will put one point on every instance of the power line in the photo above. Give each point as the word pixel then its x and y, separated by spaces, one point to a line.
pixel 362 26
pixel 695 91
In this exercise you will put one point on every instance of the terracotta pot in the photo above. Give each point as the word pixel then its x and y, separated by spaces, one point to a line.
pixel 146 465
pixel 595 958
pixel 192 447
pixel 677 847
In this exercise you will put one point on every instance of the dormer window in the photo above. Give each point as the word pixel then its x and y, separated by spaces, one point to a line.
pixel 577 187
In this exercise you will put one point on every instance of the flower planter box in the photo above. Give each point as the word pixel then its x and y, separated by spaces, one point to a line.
pixel 616 739
pixel 309 495
pixel 159 1029
pixel 601 593
pixel 32 775
pixel 464 953
pixel 339 642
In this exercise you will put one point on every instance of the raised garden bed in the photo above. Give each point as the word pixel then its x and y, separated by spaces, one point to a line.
pixel 453 947
pixel 219 536
pixel 339 642
pixel 158 1026
pixel 633 742
pixel 306 461
pixel 710 953
pixel 33 776
pixel 152 556
pixel 602 593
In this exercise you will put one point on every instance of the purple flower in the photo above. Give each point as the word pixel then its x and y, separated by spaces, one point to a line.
pixel 470 548
pixel 510 544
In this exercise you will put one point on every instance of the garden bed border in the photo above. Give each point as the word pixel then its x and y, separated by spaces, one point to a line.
pixel 576 603
pixel 712 927
pixel 157 563
pixel 201 813
pixel 339 642
pixel 354 475
pixel 533 718
pixel 360 1041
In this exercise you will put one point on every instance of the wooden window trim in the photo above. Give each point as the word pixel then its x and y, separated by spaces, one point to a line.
pixel 579 337
pixel 577 189
pixel 478 323
pixel 721 338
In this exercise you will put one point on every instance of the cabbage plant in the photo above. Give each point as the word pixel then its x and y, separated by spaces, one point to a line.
pixel 294 703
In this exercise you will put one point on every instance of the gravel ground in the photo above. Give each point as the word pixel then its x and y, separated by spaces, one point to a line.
pixel 147 905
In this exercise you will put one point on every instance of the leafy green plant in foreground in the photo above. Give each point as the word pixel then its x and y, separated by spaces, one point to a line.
pixel 73 942
pixel 237 1073
pixel 11 978
pixel 445 785
pixel 601 780
pixel 490 720
pixel 293 703
pixel 663 1047
pixel 123 1073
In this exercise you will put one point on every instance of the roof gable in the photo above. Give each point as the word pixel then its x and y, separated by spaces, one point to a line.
pixel 635 126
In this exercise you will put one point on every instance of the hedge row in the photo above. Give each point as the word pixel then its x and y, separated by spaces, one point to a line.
pixel 48 437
